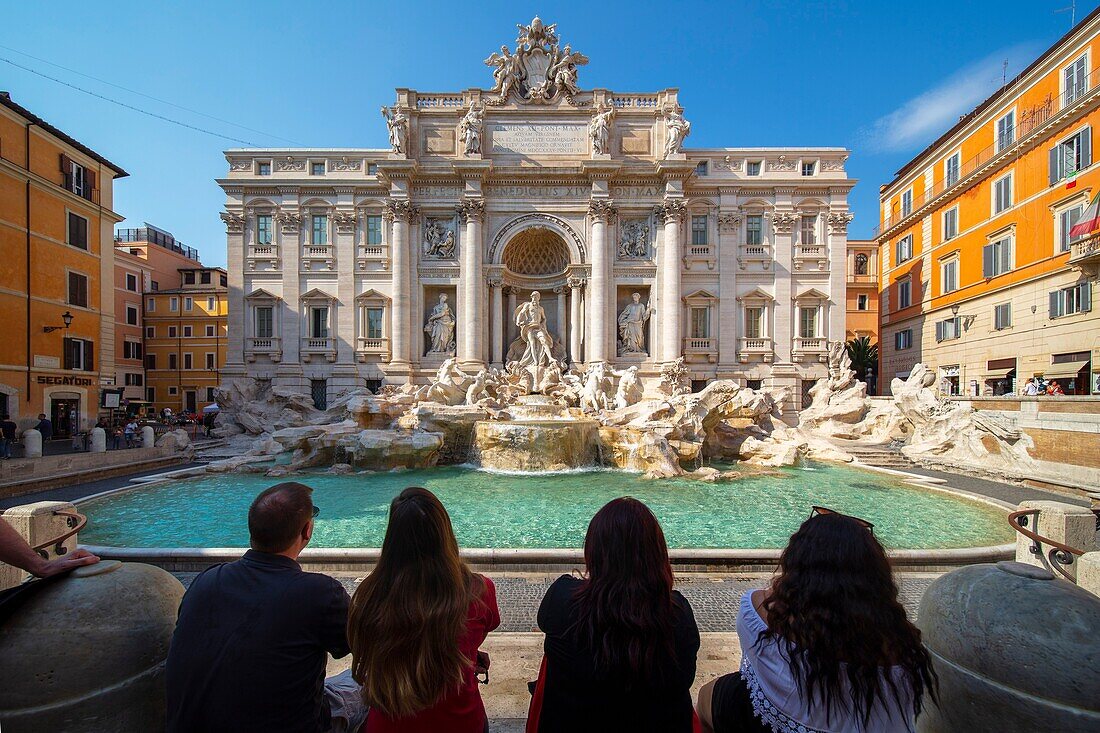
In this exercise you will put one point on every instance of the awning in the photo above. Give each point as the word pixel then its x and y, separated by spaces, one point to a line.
pixel 1066 370
pixel 995 374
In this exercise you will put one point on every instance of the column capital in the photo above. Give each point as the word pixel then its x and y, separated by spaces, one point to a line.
pixel 290 221
pixel 402 209
pixel 839 221
pixel 602 210
pixel 494 281
pixel 729 222
pixel 471 209
pixel 234 222
pixel 576 282
pixel 345 222
pixel 783 221
pixel 671 211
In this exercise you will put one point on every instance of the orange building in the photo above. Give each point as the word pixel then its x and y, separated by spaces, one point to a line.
pixel 861 318
pixel 980 277
pixel 57 302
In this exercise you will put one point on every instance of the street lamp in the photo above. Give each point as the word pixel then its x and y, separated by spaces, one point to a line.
pixel 67 317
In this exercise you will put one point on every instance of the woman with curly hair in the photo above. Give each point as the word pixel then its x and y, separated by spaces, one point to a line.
pixel 827 646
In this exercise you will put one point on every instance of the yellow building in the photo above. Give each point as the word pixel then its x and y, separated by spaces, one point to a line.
pixel 57 296
pixel 861 313
pixel 980 276
pixel 185 331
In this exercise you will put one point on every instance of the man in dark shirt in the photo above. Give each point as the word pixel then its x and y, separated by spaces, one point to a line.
pixel 7 436
pixel 44 426
pixel 249 650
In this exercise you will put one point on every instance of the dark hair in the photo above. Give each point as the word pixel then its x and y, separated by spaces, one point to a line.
pixel 277 516
pixel 625 607
pixel 834 599
pixel 407 616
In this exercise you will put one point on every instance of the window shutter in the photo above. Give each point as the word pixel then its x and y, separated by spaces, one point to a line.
pixel 987 260
pixel 89 183
pixel 1085 297
pixel 89 348
pixel 1054 305
pixel 67 349
pixel 66 164
pixel 939 331
pixel 1006 256
pixel 1086 147
pixel 1055 164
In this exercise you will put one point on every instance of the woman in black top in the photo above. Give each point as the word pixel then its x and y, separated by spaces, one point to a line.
pixel 621 643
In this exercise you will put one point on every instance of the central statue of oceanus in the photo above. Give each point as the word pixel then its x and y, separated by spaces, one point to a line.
pixel 538 358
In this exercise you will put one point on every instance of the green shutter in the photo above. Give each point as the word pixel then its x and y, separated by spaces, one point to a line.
pixel 987 261
pixel 1054 303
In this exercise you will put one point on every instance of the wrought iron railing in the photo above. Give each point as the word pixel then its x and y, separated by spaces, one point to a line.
pixel 1059 556
pixel 75 522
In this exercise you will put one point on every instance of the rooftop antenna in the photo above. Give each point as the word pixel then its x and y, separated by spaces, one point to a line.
pixel 1004 72
pixel 1072 10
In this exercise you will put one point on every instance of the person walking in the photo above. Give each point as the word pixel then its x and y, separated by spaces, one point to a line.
pixel 45 427
pixel 7 436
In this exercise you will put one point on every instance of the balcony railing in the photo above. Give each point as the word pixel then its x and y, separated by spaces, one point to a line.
pixel 83 191
pixel 699 345
pixel 317 251
pixel 262 250
pixel 756 345
pixel 810 251
pixel 157 237
pixel 810 344
pixel 756 251
pixel 269 346
pixel 699 250
pixel 1085 250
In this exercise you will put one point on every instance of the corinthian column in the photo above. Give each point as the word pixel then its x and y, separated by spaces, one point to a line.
pixel 496 307
pixel 671 286
pixel 400 213
pixel 576 325
pixel 601 211
pixel 471 353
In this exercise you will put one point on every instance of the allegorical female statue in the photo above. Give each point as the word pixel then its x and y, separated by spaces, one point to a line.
pixel 398 125
pixel 677 129
pixel 470 129
pixel 632 326
pixel 441 328
pixel 599 130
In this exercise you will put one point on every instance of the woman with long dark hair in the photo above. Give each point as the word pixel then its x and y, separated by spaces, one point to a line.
pixel 827 646
pixel 620 643
pixel 415 625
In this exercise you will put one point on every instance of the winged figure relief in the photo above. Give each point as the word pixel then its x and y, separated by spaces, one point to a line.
pixel 563 69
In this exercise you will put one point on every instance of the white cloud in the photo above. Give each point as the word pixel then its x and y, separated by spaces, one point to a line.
pixel 928 115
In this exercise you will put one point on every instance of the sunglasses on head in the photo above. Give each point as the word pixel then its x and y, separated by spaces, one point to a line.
pixel 821 511
pixel 316 511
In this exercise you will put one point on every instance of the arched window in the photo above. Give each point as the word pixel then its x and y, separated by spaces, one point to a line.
pixel 861 264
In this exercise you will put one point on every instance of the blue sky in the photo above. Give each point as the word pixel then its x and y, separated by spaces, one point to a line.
pixel 882 78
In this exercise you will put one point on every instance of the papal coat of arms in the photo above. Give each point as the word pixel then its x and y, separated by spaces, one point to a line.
pixel 539 70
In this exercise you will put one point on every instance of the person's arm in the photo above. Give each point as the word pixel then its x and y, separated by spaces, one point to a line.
pixel 333 621
pixel 14 550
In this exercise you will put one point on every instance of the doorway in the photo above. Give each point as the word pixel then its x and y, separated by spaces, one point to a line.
pixel 190 401
pixel 65 415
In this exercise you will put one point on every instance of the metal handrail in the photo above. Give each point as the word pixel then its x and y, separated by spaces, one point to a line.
pixel 75 521
pixel 1058 555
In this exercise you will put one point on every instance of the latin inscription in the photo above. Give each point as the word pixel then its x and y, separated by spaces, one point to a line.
pixel 553 192
pixel 635 192
pixel 530 138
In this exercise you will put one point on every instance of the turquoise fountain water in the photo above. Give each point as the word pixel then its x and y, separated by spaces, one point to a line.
pixel 551 510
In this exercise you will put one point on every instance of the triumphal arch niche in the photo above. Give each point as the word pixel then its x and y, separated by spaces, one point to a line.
pixel 358 265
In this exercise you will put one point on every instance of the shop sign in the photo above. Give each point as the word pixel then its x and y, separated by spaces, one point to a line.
pixel 75 381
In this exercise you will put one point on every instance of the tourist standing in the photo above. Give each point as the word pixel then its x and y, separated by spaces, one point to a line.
pixel 7 436
pixel 1031 389
pixel 827 645
pixel 416 623
pixel 128 432
pixel 252 639
pixel 620 643
pixel 44 426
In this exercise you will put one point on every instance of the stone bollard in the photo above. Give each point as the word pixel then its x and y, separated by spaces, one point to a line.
pixel 1088 572
pixel 32 443
pixel 148 437
pixel 1066 523
pixel 37 523
pixel 98 443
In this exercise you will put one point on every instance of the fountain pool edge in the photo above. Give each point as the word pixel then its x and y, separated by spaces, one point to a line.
pixel 553 560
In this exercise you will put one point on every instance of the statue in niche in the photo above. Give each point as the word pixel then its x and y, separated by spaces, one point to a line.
pixel 634 240
pixel 677 129
pixel 632 326
pixel 398 125
pixel 471 129
pixel 599 130
pixel 439 240
pixel 441 328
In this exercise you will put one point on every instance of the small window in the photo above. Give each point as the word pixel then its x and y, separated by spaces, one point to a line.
pixel 78 290
pixel 318 389
pixel 188 362
pixel 189 278
pixel 753 168
pixel 1067 301
pixel 188 303
pixel 951 223
pixel 151 361
pixel 754 322
pixel 212 305
pixel 154 286
pixel 1002 316
pixel 807 322
pixel 372 169
pixel 131 315
pixel 1066 220
pixel 949 329
pixel 150 332
pixel 949 276
pixel 151 394
pixel 1076 81
pixel 210 362
pixel 264 322
pixel 951 170
pixel 905 293
pixel 374 323
pixel 263 229
pixel 317 169
pixel 903 339
pixel 809 167
pixel 318 324
pixel 374 229
pixel 700 323
pixel 172 331
pixel 187 331
pixel 223 280
pixel 754 384
pixel 133 380
pixel 204 277
pixel 209 331
pixel 173 391
pixel 699 229
pixel 263 168
pixel 903 249
pixel 210 394
pixel 131 349
pixel 131 282
pixel 754 229
pixel 907 203
pixel 79 354
pixel 1002 194
pixel 862 302
pixel 150 304
pixel 173 304
pixel 1006 131
pixel 78 231
pixel 997 258
pixel 1071 156
pixel 318 235
pixel 701 168
pixel 861 264
pixel 808 230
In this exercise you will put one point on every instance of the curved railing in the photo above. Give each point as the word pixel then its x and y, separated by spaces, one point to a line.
pixel 1059 555
pixel 75 522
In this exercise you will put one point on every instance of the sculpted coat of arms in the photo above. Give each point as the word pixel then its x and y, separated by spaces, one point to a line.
pixel 539 70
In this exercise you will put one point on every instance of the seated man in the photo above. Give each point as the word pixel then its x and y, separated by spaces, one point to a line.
pixel 248 653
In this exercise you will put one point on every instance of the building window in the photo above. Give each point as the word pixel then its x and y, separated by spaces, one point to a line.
pixel 1002 316
pixel 212 305
pixel 131 349
pixel 374 229
pixel 861 264
pixel 263 229
pixel 754 229
pixel 151 394
pixel 172 331
pixel 700 323
pixel 188 362
pixel 905 293
pixel 75 176
pixel 188 303
pixel 318 322
pixel 187 332
pixel 210 394
pixel 151 361
pixel 131 315
pixel 78 290
pixel 949 276
pixel 204 277
pixel 903 249
pixel 173 304
pixel 374 323
pixel 150 304
pixel 318 388
pixel 1076 81
pixel 189 278
pixel 807 322
pixel 808 229
pixel 1070 156
pixel 907 203
pixel 317 169
pixel 754 322
pixel 263 168
pixel 150 332
pixel 1006 131
pixel 1066 219
pixel 699 229
pixel 997 258
pixel 809 167
pixel 133 380
pixel 752 168
pixel 903 339
pixel 131 282
pixel 372 169
pixel 211 364
pixel 223 280
pixel 862 302
pixel 78 354
pixel 173 391
pixel 264 324
pixel 77 236
pixel 209 331
pixel 701 168
pixel 951 223
pixel 1002 194
pixel 1074 299
pixel 318 234
pixel 951 170
pixel 154 285
pixel 949 329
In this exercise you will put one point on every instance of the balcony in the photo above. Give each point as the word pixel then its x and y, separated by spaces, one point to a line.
pixel 701 349
pixel 700 254
pixel 272 348
pixel 810 347
pixel 318 347
pixel 372 256
pixel 318 257
pixel 754 254
pixel 1085 252
pixel 811 257
pixel 263 257
pixel 755 347
pixel 372 347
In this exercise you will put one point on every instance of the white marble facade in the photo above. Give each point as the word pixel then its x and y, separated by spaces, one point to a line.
pixel 338 258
